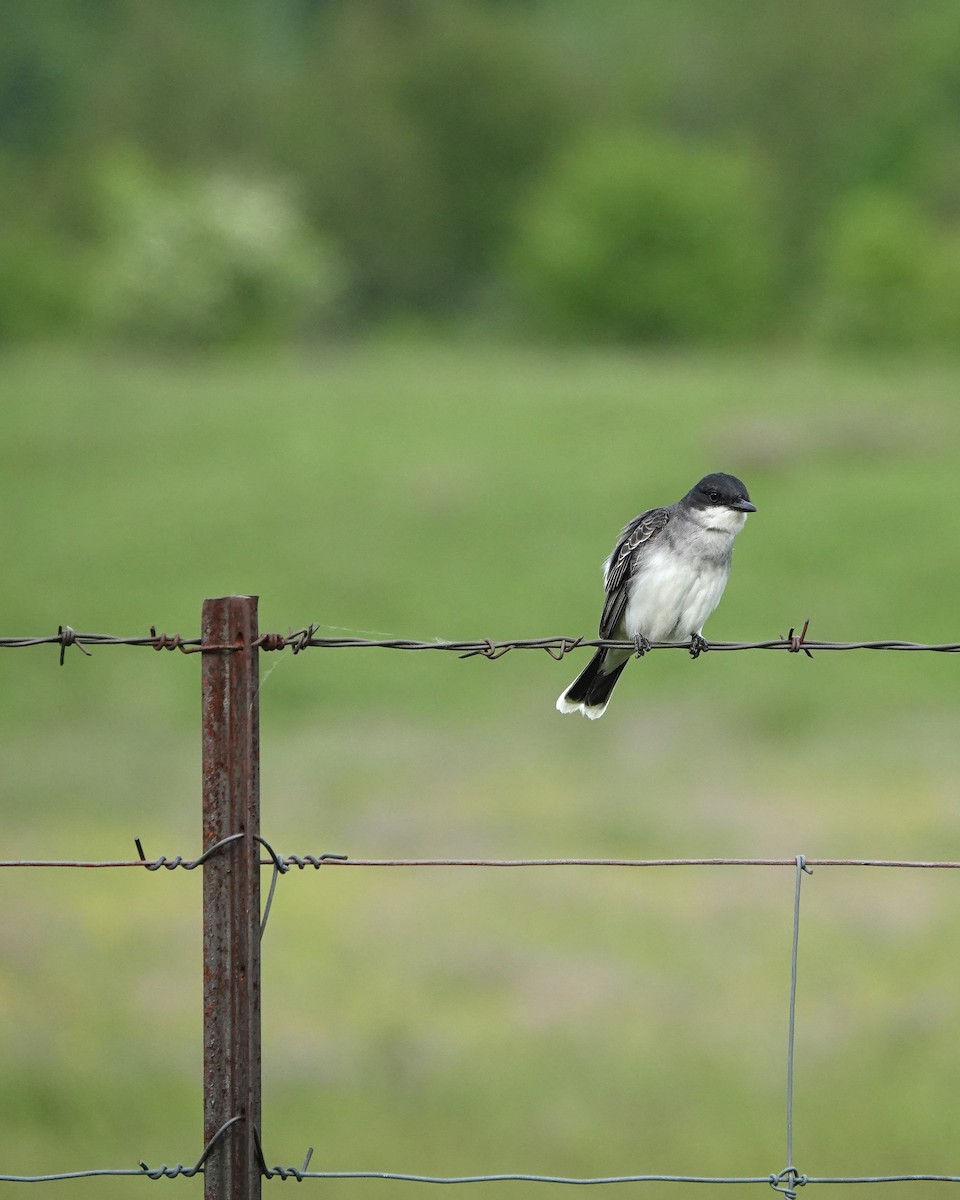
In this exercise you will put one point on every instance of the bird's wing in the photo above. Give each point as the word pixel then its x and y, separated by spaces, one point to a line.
pixel 620 565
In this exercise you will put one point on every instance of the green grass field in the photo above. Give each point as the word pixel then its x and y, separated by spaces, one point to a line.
pixel 574 1021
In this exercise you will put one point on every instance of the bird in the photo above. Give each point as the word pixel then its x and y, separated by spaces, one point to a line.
pixel 664 578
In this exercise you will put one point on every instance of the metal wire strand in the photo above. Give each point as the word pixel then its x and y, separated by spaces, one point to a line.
pixel 161 1172
pixel 514 1177
pixel 302 861
pixel 279 868
pixel 557 647
pixel 789 1179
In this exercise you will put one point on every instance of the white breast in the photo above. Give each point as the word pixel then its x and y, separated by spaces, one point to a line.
pixel 672 595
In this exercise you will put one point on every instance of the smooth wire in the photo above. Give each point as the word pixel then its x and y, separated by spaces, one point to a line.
pixel 792 1018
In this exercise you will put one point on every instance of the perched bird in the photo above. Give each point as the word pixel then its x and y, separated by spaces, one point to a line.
pixel 664 578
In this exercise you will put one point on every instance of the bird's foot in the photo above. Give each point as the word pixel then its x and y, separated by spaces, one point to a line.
pixel 642 645
pixel 697 645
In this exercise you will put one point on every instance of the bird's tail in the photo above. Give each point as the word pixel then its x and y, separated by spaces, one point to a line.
pixel 590 691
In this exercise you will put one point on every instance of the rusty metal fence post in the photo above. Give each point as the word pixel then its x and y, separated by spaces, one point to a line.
pixel 231 898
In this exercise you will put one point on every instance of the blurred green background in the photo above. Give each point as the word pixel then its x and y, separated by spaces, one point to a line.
pixel 393 312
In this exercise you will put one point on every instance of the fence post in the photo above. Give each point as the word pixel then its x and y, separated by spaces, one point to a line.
pixel 231 898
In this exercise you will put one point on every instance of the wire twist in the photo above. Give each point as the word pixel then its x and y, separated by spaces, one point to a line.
pixel 788 1181
pixel 178 860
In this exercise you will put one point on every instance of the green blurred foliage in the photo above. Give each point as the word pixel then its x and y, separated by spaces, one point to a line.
pixel 427 119
pixel 42 282
pixel 415 131
pixel 891 275
pixel 657 240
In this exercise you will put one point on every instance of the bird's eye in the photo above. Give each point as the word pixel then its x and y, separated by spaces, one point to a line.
pixel 714 497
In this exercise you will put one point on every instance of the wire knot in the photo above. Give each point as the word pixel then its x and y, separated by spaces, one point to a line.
pixel 281 867
pixel 787 1182
pixel 301 639
pixel 302 861
pixel 296 1173
pixel 171 864
pixel 165 1172
pixel 164 641
pixel 796 640
pixel 68 637
pixel 271 641
pixel 488 650
pixel 566 645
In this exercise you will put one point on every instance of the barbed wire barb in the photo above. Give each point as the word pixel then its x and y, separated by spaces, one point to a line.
pixel 67 638
pixel 796 640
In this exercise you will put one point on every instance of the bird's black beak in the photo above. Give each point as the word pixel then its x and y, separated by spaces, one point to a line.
pixel 744 506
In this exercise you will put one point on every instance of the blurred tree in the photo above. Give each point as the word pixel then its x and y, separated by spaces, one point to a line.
pixel 206 259
pixel 652 238
pixel 890 275
pixel 831 95
pixel 419 123
pixel 415 126
pixel 841 96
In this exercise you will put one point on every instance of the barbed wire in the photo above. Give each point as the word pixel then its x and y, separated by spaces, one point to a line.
pixel 557 647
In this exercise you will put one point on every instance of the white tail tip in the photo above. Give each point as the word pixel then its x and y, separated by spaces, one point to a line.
pixel 592 712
